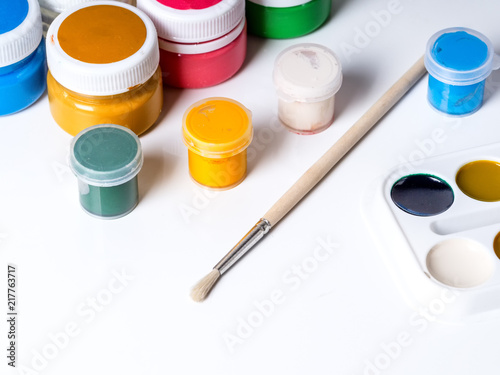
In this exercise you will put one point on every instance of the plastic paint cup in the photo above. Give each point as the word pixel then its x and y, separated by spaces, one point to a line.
pixel 52 8
pixel 103 63
pixel 307 77
pixel 458 61
pixel 283 19
pixel 217 132
pixel 202 43
pixel 23 67
pixel 106 160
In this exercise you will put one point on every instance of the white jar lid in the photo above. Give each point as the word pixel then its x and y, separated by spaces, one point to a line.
pixel 280 3
pixel 198 48
pixel 78 65
pixel 177 22
pixel 307 72
pixel 21 32
pixel 60 6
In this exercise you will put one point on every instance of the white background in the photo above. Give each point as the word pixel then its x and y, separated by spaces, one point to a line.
pixel 342 319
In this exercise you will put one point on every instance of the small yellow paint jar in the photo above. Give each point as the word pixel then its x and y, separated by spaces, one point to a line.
pixel 217 132
pixel 103 60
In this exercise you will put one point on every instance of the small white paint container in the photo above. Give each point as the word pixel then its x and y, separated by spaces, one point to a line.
pixel 307 76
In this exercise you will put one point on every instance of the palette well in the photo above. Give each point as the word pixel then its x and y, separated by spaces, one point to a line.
pixel 448 209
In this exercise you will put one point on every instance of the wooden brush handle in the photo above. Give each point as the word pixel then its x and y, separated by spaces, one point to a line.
pixel 321 167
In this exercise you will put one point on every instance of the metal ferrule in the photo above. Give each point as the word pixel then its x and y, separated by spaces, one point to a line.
pixel 246 243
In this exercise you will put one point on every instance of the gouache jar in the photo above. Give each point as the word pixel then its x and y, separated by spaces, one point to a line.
pixel 23 68
pixel 202 43
pixel 103 63
pixel 282 19
pixel 307 76
pixel 52 8
pixel 458 61
pixel 106 160
pixel 217 132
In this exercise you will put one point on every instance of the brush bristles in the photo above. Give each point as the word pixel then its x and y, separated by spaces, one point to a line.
pixel 204 286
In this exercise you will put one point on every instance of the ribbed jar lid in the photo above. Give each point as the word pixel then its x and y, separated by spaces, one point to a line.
pixel 20 30
pixel 459 56
pixel 102 48
pixel 106 155
pixel 59 6
pixel 193 21
pixel 217 127
pixel 280 3
pixel 307 72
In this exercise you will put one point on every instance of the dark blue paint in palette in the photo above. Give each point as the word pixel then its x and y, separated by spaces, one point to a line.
pixel 422 194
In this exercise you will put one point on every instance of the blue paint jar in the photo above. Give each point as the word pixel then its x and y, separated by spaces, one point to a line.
pixel 458 61
pixel 23 67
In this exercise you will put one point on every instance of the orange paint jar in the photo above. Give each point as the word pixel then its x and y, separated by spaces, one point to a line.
pixel 217 132
pixel 103 60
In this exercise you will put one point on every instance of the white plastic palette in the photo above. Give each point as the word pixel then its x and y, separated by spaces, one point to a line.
pixel 467 221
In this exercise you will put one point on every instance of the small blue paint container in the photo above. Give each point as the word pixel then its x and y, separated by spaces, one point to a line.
pixel 23 67
pixel 458 60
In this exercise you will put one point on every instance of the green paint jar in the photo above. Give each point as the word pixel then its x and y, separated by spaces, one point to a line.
pixel 283 19
pixel 106 160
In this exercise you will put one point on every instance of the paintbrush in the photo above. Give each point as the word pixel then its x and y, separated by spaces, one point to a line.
pixel 310 178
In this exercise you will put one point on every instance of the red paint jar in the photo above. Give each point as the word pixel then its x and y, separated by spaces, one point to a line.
pixel 202 42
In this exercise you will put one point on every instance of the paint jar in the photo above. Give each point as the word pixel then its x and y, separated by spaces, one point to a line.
pixel 282 19
pixel 106 160
pixel 307 77
pixel 23 67
pixel 458 61
pixel 103 63
pixel 52 8
pixel 217 132
pixel 202 43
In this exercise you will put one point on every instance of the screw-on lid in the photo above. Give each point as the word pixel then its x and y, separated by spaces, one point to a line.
pixel 217 127
pixel 59 6
pixel 102 48
pixel 20 30
pixel 279 3
pixel 307 72
pixel 459 56
pixel 106 155
pixel 193 21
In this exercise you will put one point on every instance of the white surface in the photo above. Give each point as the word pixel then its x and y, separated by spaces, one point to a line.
pixel 343 317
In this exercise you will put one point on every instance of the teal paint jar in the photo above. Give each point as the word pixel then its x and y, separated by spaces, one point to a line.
pixel 23 67
pixel 106 159
pixel 284 19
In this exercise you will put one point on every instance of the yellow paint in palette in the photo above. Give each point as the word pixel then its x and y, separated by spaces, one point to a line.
pixel 480 180
pixel 217 132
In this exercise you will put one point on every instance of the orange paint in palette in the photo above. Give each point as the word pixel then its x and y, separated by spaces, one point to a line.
pixel 452 228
